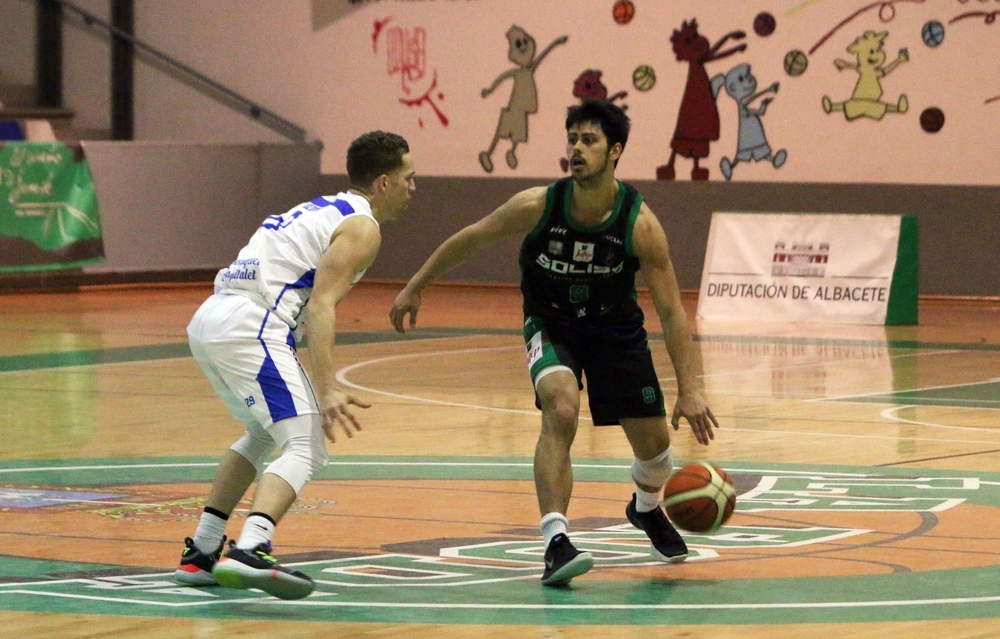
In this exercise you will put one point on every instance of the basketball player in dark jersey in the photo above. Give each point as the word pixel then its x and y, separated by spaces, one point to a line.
pixel 586 236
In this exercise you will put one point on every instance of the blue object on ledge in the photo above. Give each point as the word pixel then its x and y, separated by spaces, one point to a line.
pixel 11 130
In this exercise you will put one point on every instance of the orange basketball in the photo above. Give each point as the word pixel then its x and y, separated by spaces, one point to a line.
pixel 623 11
pixel 699 497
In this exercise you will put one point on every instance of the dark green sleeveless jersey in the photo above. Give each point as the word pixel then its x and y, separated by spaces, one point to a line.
pixel 577 273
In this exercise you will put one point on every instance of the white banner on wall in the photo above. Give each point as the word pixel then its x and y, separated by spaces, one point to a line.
pixel 807 267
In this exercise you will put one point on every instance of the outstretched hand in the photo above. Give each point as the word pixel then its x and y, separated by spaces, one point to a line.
pixel 335 412
pixel 692 407
pixel 406 303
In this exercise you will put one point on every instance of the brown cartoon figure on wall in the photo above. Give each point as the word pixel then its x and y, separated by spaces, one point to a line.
pixel 588 85
pixel 698 117
pixel 751 143
pixel 865 101
pixel 513 124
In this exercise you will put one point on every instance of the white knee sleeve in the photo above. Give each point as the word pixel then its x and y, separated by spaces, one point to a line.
pixel 254 447
pixel 303 448
pixel 656 471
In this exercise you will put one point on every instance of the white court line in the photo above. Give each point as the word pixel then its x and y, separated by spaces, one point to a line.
pixel 161 604
pixel 111 467
pixel 321 603
pixel 624 465
pixel 910 390
pixel 341 377
pixel 92 502
pixel 318 599
pixel 888 414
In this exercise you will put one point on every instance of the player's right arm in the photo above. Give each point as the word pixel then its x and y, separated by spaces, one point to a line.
pixel 519 214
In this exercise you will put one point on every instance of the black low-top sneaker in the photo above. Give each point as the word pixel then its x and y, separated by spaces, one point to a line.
pixel 668 545
pixel 195 568
pixel 563 562
pixel 256 568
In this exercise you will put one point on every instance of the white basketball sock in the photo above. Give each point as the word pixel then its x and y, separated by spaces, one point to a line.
pixel 645 502
pixel 257 530
pixel 553 524
pixel 208 535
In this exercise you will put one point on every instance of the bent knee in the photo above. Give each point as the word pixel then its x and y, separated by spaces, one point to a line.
pixel 302 457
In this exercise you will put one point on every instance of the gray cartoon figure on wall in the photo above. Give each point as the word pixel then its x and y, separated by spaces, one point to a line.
pixel 513 124
pixel 865 101
pixel 740 85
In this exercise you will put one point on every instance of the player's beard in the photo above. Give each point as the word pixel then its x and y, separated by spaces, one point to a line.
pixel 593 175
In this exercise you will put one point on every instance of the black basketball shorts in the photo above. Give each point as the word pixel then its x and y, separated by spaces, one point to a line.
pixel 615 361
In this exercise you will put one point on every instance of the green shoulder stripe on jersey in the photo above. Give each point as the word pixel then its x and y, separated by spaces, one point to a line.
pixel 632 216
pixel 550 197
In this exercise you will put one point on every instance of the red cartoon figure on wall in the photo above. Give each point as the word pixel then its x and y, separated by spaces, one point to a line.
pixel 588 85
pixel 698 116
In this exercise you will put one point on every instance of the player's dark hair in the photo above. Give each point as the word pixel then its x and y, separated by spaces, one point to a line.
pixel 611 118
pixel 373 154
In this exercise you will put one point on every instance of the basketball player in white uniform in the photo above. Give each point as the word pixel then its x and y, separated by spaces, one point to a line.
pixel 242 336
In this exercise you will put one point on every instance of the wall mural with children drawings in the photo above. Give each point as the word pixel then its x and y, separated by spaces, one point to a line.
pixel 989 18
pixel 866 100
pixel 406 56
pixel 588 85
pixel 523 101
pixel 741 86
pixel 747 92
pixel 698 116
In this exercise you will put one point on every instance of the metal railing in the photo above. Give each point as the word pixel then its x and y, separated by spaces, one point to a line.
pixel 208 86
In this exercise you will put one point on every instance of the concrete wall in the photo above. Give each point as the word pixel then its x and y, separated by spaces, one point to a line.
pixel 177 206
pixel 958 226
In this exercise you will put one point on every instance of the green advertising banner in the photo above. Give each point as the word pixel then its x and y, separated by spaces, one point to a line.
pixel 48 208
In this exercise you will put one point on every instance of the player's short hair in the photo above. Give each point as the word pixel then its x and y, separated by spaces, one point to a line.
pixel 373 154
pixel 611 118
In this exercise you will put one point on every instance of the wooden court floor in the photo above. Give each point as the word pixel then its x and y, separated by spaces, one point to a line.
pixel 867 461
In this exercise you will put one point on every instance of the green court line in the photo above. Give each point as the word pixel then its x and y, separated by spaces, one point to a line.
pixel 972 395
pixel 92 357
pixel 118 355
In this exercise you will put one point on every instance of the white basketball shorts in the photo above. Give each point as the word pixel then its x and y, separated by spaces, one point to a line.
pixel 249 356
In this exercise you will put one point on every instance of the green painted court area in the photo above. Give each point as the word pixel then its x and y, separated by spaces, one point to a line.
pixel 495 581
pixel 405 589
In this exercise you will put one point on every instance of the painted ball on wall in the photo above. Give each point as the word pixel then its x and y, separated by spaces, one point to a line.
pixel 795 62
pixel 643 78
pixel 623 11
pixel 763 24
pixel 932 33
pixel 932 119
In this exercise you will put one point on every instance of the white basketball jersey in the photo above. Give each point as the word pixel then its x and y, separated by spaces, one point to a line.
pixel 276 268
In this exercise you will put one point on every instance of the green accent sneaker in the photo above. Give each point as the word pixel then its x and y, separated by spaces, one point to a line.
pixel 195 568
pixel 256 568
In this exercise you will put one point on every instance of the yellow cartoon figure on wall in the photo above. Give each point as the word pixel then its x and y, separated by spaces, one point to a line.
pixel 865 101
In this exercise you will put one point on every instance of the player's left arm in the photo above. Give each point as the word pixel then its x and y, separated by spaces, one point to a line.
pixel 352 250
pixel 649 244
